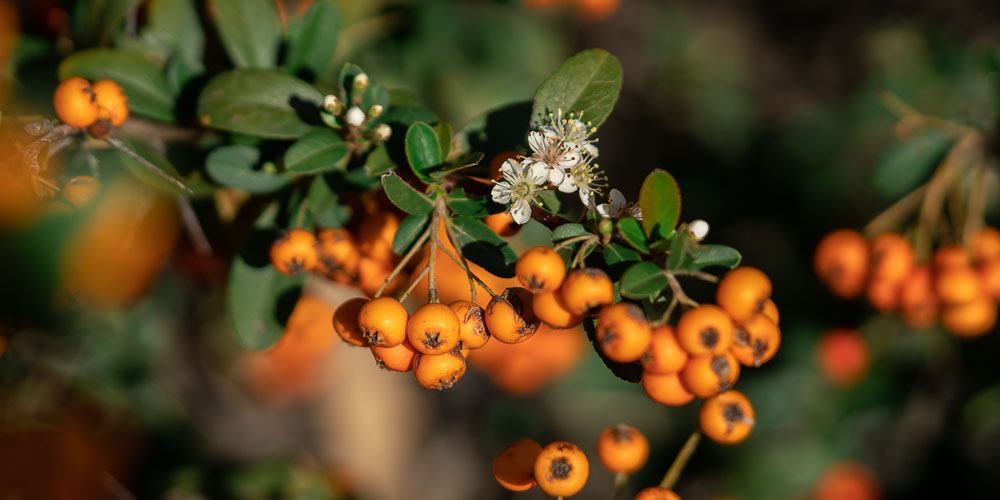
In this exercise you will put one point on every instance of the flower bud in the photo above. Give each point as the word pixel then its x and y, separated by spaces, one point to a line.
pixel 382 132
pixel 331 104
pixel 360 83
pixel 355 117
pixel 375 111
pixel 698 228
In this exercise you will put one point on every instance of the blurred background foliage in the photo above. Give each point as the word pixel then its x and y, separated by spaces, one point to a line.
pixel 772 118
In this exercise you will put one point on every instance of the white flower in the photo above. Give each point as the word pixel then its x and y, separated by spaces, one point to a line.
pixel 571 131
pixel 550 157
pixel 698 228
pixel 586 178
pixel 618 207
pixel 355 117
pixel 518 187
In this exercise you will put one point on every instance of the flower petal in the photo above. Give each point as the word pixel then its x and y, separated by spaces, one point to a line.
pixel 604 209
pixel 521 211
pixel 568 184
pixel 556 176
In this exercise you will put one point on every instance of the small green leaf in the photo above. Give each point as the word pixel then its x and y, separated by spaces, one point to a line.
pixel 549 201
pixel 318 151
pixel 236 166
pixel 631 231
pixel 324 204
pixel 249 31
pixel 179 20
pixel 410 230
pixel 484 247
pixel 715 255
pixel 615 254
pixel 567 231
pixel 462 162
pixel 680 251
pixel 422 150
pixel 404 196
pixel 588 83
pixel 660 202
pixel 98 20
pixel 904 164
pixel 259 102
pixel 378 161
pixel 143 82
pixel 642 280
pixel 312 40
pixel 462 204
pixel 443 131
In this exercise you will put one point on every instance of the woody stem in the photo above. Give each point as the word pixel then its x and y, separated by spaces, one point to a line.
pixel 402 263
pixel 674 472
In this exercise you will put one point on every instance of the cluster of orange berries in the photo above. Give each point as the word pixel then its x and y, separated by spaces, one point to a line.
pixel 96 107
pixel 959 286
pixel 561 469
pixel 364 261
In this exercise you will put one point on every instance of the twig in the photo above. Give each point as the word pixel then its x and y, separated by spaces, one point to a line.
pixel 402 263
pixel 432 293
pixel 119 145
pixel 29 154
pixel 193 227
pixel 567 242
pixel 678 292
pixel 674 472
pixel 694 273
pixel 974 215
pixel 892 216
pixel 958 157
pixel 620 479
pixel 465 267
pixel 413 284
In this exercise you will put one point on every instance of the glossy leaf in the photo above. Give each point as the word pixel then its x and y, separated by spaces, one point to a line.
pixel 422 150
pixel 462 162
pixel 404 196
pixel 631 231
pixel 410 230
pixel 660 201
pixel 588 83
pixel 405 116
pixel 484 247
pixel 99 19
pixel 236 166
pixel 567 231
pixel 642 280
pixel 680 251
pixel 312 40
pixel 318 151
pixel 261 103
pixel 249 30
pixel 325 206
pixel 462 204
pixel 444 133
pixel 378 161
pixel 179 20
pixel 143 82
pixel 714 255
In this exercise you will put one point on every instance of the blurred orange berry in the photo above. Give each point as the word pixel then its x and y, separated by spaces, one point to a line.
pixel 841 262
pixel 843 356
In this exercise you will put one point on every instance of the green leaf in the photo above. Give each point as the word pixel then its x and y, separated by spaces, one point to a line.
pixel 235 166
pixel 660 201
pixel 318 151
pixel 179 20
pixel 549 201
pixel 259 299
pixel 567 231
pixel 587 83
pixel 378 161
pixel 444 133
pixel 714 255
pixel 495 131
pixel 142 80
pixel 462 162
pixel 324 204
pixel 484 247
pixel 631 231
pixel 346 79
pixel 259 102
pixel 904 164
pixel 462 204
pixel 98 20
pixel 405 116
pixel 410 230
pixel 404 196
pixel 615 254
pixel 312 40
pixel 249 31
pixel 680 251
pixel 642 280
pixel 145 174
pixel 422 150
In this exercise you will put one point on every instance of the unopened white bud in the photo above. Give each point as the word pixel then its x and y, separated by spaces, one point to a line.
pixel 382 132
pixel 698 228
pixel 331 103
pixel 355 117
pixel 360 82
pixel 375 111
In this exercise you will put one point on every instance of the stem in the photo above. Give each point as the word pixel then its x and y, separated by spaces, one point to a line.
pixel 432 293
pixel 472 276
pixel 567 242
pixel 423 272
pixel 29 153
pixel 892 216
pixel 959 155
pixel 53 187
pixel 299 217
pixel 665 317
pixel 694 273
pixel 193 227
pixel 581 254
pixel 119 145
pixel 402 263
pixel 975 214
pixel 674 472
pixel 678 292
pixel 619 488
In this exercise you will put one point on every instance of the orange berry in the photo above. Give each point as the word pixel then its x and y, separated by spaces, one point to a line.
pixel 841 262
pixel 743 292
pixel 550 308
pixel 597 10
pixel 111 102
pixel 843 356
pixel 892 257
pixel 372 273
pixel 665 354
pixel 376 234
pixel 989 273
pixel 294 252
pixel 727 418
pixel 514 466
pixel 80 190
pixel 971 319
pixel 771 311
pixel 705 329
pixel 502 224
pixel 756 341
pixel 75 102
pixel 918 305
pixel 587 289
pixel 561 469
pixel 622 448
pixel 623 332
pixel 708 375
pixel 666 389
pixel 848 481
pixel 951 257
pixel 439 371
pixel 985 245
pixel 497 162
pixel 433 329
pixel 383 321
pixel 472 326
pixel 398 358
pixel 958 285
pixel 510 317
pixel 541 269
pixel 657 493
pixel 345 321
pixel 883 294
pixel 338 254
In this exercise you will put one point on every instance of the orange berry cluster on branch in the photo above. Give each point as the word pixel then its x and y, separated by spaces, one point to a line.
pixel 97 107
pixel 560 469
pixel 959 286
